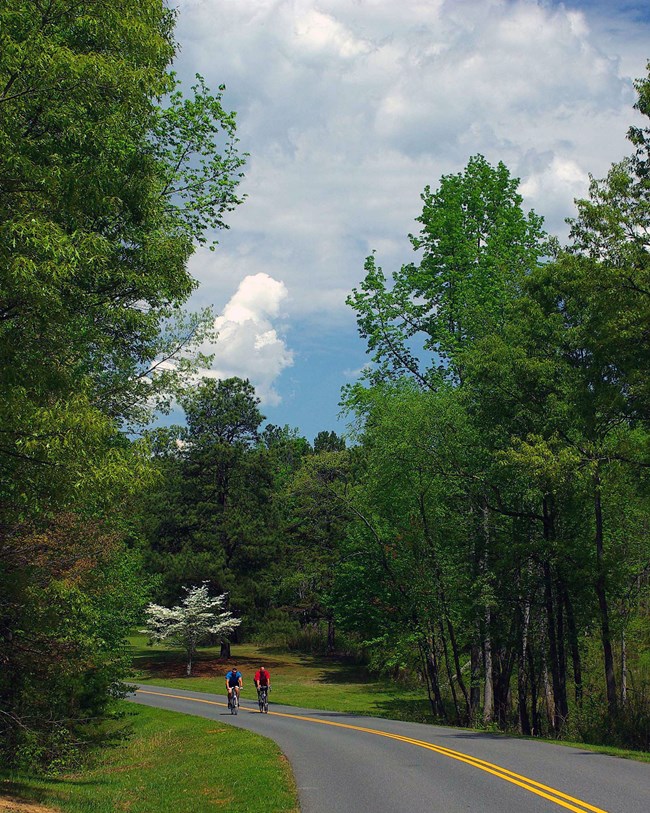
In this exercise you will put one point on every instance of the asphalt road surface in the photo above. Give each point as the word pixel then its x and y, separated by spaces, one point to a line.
pixel 345 762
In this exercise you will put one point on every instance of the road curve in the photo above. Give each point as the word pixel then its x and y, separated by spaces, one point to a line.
pixel 370 765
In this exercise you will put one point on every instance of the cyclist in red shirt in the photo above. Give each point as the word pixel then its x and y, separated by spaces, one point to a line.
pixel 262 678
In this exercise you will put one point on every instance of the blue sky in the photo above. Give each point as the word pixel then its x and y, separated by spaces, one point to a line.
pixel 348 108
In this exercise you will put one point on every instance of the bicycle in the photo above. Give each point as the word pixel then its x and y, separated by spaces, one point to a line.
pixel 263 699
pixel 233 702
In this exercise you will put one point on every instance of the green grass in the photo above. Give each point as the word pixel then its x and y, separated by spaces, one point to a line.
pixel 172 762
pixel 183 763
pixel 310 681
pixel 608 750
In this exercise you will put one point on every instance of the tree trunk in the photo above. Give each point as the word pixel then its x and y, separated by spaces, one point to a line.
pixel 548 695
pixel 534 693
pixel 563 703
pixel 552 648
pixel 573 643
pixel 610 677
pixel 432 673
pixel 330 635
pixel 522 681
pixel 488 689
pixel 475 682
pixel 459 676
pixel 558 676
pixel 450 676
pixel 623 670
pixel 425 670
pixel 505 662
pixel 225 649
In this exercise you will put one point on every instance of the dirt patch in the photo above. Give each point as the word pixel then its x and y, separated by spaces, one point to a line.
pixel 206 667
pixel 9 805
pixel 209 668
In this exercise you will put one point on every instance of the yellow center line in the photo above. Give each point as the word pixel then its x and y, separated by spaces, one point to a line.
pixel 531 785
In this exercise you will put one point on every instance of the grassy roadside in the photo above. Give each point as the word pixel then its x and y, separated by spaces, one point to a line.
pixel 310 681
pixel 183 763
pixel 172 762
pixel 305 680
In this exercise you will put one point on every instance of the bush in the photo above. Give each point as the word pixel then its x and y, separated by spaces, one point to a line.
pixel 628 728
pixel 275 631
pixel 68 653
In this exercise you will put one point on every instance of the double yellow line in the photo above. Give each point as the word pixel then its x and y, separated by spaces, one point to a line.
pixel 546 792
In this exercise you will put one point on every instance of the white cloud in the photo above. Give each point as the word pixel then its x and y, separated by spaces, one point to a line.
pixel 247 344
pixel 350 107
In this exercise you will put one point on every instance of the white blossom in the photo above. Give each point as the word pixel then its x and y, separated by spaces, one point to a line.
pixel 189 624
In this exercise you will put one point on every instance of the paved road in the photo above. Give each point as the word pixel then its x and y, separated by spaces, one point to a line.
pixel 344 762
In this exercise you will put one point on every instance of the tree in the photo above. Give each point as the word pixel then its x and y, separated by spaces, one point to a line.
pixel 314 523
pixel 189 623
pixel 490 512
pixel 70 594
pixel 104 191
pixel 478 246
pixel 410 547
pixel 133 188
pixel 328 442
pixel 222 412
pixel 212 515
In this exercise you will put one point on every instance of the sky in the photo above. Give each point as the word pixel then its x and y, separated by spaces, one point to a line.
pixel 348 109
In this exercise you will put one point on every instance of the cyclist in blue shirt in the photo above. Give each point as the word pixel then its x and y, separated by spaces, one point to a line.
pixel 234 683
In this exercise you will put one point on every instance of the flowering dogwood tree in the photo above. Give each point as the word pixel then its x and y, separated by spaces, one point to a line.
pixel 190 623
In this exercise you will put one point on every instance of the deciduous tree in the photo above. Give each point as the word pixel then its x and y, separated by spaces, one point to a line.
pixel 190 623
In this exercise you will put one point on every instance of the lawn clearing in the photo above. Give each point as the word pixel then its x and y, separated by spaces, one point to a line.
pixel 172 762
pixel 309 681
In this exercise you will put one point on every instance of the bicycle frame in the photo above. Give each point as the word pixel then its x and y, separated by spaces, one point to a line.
pixel 233 700
pixel 263 699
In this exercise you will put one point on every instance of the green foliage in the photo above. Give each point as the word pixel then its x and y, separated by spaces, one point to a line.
pixel 499 507
pixel 172 760
pixel 328 442
pixel 70 596
pixel 105 190
pixel 103 195
pixel 477 247
pixel 199 180
pixel 211 517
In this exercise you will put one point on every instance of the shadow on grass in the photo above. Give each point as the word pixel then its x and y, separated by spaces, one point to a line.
pixel 172 664
pixel 22 791
pixel 27 791
pixel 347 674
pixel 316 660
pixel 411 710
